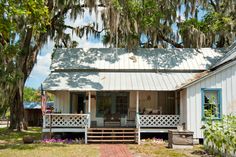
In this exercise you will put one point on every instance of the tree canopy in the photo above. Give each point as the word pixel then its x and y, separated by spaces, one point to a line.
pixel 33 95
pixel 177 23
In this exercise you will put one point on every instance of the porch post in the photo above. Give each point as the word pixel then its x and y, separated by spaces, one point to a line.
pixel 89 108
pixel 137 116
pixel 137 102
pixel 176 103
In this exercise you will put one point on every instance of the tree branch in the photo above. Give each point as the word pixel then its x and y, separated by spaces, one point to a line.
pixel 170 41
pixel 84 27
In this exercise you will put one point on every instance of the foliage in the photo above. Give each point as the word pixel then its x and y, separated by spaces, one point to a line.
pixel 171 23
pixel 33 95
pixel 21 23
pixel 212 26
pixel 220 135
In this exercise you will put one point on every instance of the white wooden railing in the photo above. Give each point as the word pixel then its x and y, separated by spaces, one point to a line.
pixel 159 120
pixel 52 120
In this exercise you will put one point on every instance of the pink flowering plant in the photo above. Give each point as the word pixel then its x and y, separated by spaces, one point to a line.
pixel 62 141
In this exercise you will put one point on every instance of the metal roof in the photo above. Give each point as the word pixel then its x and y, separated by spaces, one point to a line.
pixel 115 81
pixel 230 55
pixel 36 105
pixel 120 58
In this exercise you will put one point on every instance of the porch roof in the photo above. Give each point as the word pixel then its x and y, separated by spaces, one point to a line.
pixel 116 81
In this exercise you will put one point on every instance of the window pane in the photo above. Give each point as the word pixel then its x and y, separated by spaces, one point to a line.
pixel 211 103
pixel 211 97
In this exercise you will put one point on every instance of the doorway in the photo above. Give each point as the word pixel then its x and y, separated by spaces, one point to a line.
pixel 81 103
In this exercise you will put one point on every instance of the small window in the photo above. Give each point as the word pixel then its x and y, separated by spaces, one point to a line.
pixel 211 103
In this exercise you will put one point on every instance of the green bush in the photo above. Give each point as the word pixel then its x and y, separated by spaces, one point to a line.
pixel 220 135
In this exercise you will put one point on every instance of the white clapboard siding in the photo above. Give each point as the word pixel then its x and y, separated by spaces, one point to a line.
pixel 224 79
pixel 62 101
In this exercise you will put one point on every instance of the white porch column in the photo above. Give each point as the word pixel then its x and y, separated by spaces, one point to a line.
pixel 137 116
pixel 89 108
pixel 176 103
pixel 137 102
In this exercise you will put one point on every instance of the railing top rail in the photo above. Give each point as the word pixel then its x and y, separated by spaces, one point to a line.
pixel 66 114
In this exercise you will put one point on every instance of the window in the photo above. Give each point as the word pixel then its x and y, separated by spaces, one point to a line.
pixel 104 102
pixel 122 104
pixel 112 103
pixel 211 103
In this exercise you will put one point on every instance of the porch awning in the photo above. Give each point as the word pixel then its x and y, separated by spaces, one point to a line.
pixel 115 81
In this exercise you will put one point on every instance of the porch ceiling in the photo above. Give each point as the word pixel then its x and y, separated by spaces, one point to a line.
pixel 115 81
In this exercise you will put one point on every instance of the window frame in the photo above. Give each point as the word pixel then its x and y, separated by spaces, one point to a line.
pixel 219 94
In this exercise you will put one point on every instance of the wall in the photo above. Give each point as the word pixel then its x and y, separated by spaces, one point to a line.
pixel 183 106
pixel 154 100
pixel 224 79
pixel 62 101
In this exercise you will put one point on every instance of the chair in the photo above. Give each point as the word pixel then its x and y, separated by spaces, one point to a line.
pixel 157 111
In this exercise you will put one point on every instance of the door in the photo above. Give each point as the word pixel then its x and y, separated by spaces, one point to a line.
pixel 81 103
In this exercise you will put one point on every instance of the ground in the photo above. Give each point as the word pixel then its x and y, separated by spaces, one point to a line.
pixel 11 145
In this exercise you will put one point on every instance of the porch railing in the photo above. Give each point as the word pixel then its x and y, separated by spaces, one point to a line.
pixel 159 120
pixel 65 120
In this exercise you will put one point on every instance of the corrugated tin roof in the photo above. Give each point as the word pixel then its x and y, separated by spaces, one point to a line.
pixel 230 55
pixel 32 105
pixel 115 81
pixel 112 58
pixel 36 105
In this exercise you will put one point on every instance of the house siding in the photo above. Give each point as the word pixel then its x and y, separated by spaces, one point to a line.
pixel 183 106
pixel 62 102
pixel 224 79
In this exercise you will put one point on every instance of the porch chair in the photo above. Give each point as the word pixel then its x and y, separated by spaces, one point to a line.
pixel 157 111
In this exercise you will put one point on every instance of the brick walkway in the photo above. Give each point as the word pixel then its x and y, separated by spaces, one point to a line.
pixel 114 150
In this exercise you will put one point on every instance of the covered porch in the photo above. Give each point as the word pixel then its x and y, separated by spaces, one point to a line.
pixel 149 111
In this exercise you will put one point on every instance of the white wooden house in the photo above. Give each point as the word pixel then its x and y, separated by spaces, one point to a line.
pixel 107 90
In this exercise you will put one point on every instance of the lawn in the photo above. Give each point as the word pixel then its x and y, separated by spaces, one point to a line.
pixel 11 146
pixel 150 149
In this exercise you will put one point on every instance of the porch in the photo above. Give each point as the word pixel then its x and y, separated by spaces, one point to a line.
pixel 141 110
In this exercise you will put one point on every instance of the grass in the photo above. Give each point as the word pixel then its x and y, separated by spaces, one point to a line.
pixel 13 137
pixel 160 150
pixel 11 145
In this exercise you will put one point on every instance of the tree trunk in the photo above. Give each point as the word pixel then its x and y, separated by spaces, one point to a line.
pixel 17 109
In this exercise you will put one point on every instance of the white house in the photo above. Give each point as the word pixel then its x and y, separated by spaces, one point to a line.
pixel 121 94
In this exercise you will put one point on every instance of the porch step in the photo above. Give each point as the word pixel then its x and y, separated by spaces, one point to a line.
pixel 112 135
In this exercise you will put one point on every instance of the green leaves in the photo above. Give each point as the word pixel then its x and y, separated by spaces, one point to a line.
pixel 221 135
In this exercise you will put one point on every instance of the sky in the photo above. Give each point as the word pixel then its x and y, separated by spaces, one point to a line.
pixel 42 67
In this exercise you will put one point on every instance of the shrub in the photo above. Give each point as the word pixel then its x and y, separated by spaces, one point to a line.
pixel 220 135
